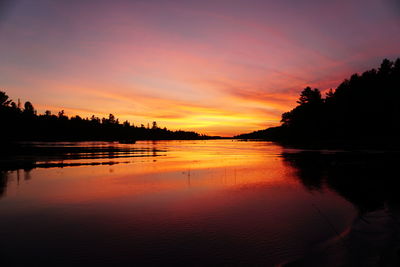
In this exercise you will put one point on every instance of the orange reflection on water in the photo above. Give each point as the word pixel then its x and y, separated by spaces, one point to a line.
pixel 231 201
pixel 189 166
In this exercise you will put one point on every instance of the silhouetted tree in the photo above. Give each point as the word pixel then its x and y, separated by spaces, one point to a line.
pixel 13 105
pixel 363 108
pixel 4 101
pixel 329 94
pixel 111 119
pixel 310 96
pixel 61 114
pixel 386 67
pixel 27 125
pixel 28 108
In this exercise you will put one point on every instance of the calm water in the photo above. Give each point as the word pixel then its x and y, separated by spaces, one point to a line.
pixel 218 202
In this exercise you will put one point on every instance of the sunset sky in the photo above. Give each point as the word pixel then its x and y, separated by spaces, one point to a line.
pixel 216 67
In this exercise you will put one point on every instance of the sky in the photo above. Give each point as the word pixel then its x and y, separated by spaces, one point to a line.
pixel 215 67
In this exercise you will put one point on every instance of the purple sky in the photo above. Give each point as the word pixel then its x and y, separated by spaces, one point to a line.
pixel 217 67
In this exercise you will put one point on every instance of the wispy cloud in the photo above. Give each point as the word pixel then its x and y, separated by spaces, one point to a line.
pixel 219 67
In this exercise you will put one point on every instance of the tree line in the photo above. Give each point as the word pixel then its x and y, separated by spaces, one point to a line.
pixel 362 108
pixel 24 123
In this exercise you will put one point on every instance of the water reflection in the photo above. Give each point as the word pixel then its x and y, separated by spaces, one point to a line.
pixel 205 202
pixel 28 156
pixel 368 180
pixel 3 182
pixel 5 178
pixel 59 154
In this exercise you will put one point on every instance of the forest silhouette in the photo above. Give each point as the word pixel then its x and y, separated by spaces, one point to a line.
pixel 361 109
pixel 24 124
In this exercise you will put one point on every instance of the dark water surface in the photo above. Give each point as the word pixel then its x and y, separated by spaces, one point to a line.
pixel 211 202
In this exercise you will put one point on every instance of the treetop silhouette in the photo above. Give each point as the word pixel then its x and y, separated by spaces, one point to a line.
pixel 25 124
pixel 364 107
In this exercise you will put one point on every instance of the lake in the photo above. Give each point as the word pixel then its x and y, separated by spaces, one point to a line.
pixel 214 202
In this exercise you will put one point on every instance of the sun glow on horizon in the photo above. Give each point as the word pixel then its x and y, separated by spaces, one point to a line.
pixel 218 68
